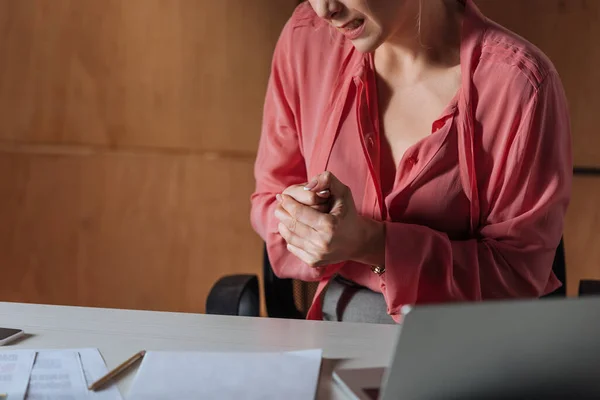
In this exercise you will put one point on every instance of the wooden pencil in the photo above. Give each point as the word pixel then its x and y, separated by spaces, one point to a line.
pixel 117 371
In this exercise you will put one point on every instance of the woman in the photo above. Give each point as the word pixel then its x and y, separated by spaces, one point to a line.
pixel 412 152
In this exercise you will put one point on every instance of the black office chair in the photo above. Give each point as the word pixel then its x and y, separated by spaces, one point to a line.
pixel 288 298
pixel 239 295
pixel 559 267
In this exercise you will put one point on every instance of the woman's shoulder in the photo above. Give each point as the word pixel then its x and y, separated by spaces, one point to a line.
pixel 305 16
pixel 304 29
pixel 513 80
pixel 311 41
pixel 511 56
pixel 306 23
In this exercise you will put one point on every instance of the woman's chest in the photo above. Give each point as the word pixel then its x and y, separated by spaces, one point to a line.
pixel 426 187
pixel 408 111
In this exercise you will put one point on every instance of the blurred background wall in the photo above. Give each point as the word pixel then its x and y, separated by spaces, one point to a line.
pixel 128 131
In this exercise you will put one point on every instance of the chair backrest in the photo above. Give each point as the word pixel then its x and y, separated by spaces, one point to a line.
pixel 559 267
pixel 589 287
pixel 289 298
pixel 279 293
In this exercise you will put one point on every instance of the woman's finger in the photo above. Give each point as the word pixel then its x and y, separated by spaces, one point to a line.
pixel 291 238
pixel 326 182
pixel 322 208
pixel 306 197
pixel 304 256
pixel 292 224
pixel 301 213
pixel 300 253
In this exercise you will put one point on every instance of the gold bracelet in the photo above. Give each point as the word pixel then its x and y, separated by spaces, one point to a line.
pixel 377 269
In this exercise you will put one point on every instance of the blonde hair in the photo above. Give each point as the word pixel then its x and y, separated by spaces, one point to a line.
pixel 419 23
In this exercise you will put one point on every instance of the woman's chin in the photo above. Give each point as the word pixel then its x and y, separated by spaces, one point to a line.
pixel 366 44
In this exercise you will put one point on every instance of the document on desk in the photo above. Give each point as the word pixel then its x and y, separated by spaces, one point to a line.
pixel 57 374
pixel 211 375
pixel 94 368
pixel 15 368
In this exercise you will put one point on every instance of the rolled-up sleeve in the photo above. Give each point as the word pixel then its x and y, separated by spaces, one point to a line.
pixel 279 161
pixel 513 252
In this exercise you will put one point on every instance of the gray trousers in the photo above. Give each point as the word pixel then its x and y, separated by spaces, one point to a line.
pixel 351 303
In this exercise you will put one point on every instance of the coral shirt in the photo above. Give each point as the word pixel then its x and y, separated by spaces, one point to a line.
pixel 475 210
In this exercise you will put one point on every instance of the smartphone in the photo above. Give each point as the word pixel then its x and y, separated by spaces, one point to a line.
pixel 8 335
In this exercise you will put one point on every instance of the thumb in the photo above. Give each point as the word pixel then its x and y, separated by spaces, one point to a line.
pixel 326 181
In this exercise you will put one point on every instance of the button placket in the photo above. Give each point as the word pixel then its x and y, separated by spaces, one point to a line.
pixel 370 140
pixel 369 143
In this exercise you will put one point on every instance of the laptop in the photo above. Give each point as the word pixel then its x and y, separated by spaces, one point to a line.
pixel 532 349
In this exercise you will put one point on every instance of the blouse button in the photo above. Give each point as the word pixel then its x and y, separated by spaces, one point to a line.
pixel 370 141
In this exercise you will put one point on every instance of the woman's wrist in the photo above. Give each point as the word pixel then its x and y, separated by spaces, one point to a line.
pixel 372 248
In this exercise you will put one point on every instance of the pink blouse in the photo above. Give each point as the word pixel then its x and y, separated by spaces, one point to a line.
pixel 476 209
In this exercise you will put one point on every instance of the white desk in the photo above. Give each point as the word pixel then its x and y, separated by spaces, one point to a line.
pixel 120 333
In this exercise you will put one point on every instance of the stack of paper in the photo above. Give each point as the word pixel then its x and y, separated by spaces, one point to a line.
pixel 53 374
pixel 15 368
pixel 94 368
pixel 66 374
pixel 206 375
pixel 57 375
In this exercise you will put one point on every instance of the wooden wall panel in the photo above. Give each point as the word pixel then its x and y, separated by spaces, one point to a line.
pixel 155 73
pixel 568 32
pixel 146 231
pixel 128 130
pixel 582 232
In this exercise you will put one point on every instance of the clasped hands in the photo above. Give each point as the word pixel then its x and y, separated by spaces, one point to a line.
pixel 321 225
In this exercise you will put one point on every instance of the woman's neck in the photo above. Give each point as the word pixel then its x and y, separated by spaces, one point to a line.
pixel 432 42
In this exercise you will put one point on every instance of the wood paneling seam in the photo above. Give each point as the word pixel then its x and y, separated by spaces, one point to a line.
pixel 89 150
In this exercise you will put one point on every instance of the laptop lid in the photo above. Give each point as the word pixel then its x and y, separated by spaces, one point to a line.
pixel 536 349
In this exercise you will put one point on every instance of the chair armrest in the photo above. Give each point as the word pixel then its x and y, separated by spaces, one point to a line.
pixel 234 295
pixel 589 287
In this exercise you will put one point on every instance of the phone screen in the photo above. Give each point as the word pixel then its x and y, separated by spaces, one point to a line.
pixel 8 332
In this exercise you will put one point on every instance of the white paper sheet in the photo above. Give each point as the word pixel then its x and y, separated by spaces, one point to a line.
pixel 249 376
pixel 15 367
pixel 57 375
pixel 94 368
